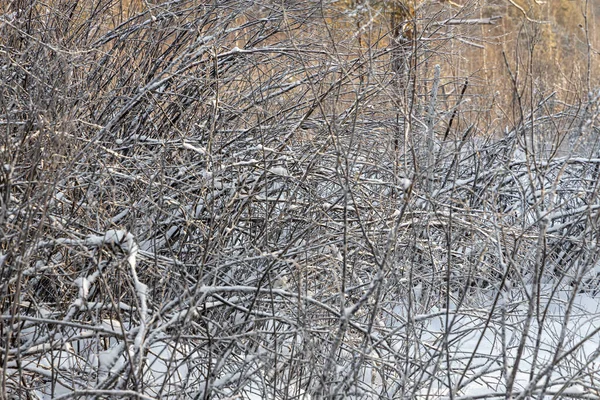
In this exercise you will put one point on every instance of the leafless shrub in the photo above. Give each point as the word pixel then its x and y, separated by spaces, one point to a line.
pixel 241 200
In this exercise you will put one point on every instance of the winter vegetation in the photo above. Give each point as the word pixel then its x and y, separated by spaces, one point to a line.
pixel 240 199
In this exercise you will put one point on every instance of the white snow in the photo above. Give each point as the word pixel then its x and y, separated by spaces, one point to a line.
pixel 84 286
pixel 279 171
pixel 197 149
pixel 113 357
pixel 405 183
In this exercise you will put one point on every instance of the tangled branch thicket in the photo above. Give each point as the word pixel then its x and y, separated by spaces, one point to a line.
pixel 246 199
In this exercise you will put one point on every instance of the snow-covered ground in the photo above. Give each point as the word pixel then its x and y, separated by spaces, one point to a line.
pixel 479 352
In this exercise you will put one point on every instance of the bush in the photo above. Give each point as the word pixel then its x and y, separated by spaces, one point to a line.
pixel 277 200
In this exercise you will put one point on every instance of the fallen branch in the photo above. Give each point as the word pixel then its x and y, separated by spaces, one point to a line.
pixel 470 21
